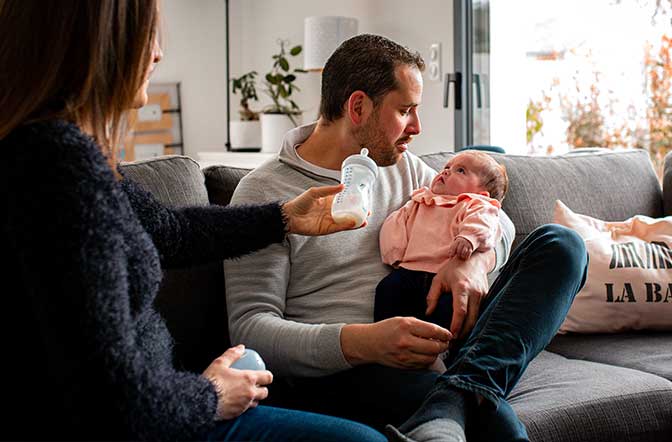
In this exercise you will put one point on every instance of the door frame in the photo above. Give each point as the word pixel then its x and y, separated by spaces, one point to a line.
pixel 463 48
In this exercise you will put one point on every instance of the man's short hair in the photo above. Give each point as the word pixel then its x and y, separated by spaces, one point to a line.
pixel 365 62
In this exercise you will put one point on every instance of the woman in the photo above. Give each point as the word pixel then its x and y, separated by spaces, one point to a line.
pixel 89 357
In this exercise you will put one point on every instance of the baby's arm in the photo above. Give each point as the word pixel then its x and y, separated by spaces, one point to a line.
pixel 394 235
pixel 460 247
pixel 477 228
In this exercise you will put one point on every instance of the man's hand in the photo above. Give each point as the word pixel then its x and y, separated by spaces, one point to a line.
pixel 460 247
pixel 467 281
pixel 237 390
pixel 402 342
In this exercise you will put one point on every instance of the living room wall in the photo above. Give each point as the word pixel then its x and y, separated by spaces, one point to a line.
pixel 194 38
pixel 256 25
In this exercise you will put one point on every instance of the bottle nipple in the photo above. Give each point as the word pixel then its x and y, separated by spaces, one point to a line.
pixel 364 152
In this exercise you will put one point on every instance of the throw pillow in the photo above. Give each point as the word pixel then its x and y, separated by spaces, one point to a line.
pixel 629 282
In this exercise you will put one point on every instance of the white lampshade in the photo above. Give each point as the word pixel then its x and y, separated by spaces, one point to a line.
pixel 322 35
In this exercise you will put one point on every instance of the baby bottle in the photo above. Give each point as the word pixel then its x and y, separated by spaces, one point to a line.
pixel 250 360
pixel 358 173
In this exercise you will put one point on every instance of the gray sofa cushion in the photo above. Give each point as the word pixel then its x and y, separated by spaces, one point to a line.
pixel 568 400
pixel 221 181
pixel 650 352
pixel 611 186
pixel 191 300
pixel 173 179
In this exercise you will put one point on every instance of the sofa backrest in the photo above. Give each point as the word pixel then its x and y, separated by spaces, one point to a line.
pixel 611 186
pixel 606 185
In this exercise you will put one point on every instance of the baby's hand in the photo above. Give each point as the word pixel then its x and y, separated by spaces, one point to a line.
pixel 461 247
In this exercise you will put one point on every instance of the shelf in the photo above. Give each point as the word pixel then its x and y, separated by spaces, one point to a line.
pixel 244 160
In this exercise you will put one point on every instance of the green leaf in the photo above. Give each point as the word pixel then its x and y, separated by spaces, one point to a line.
pixel 283 91
pixel 271 79
pixel 296 50
pixel 289 78
pixel 284 64
pixel 278 78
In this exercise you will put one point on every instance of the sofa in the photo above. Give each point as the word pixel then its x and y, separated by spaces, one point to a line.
pixel 612 387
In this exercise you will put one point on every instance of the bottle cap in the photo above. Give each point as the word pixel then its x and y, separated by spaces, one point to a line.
pixel 362 159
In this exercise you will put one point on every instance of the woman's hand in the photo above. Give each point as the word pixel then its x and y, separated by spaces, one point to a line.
pixel 310 212
pixel 237 390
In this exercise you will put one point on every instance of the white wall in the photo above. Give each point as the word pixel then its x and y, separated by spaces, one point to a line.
pixel 257 24
pixel 194 36
pixel 194 54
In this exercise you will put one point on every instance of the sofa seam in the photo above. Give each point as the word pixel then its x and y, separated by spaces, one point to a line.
pixel 598 401
pixel 610 364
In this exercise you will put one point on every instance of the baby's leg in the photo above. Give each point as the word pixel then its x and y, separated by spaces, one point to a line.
pixel 443 313
pixel 401 293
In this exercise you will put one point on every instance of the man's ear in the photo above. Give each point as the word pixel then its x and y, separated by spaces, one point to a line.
pixel 484 193
pixel 359 107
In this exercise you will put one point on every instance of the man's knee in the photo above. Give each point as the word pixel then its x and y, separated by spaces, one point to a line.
pixel 563 245
pixel 562 240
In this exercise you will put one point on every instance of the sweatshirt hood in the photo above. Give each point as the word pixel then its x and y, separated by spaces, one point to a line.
pixel 289 156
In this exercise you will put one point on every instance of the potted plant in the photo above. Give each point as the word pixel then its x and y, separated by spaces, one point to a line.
pixel 245 133
pixel 283 114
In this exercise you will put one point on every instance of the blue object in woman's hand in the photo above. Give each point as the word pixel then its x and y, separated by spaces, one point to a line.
pixel 250 360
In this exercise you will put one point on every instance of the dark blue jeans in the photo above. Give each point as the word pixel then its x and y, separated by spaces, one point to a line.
pixel 523 311
pixel 278 424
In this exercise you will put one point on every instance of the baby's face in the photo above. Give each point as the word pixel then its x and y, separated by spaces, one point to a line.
pixel 460 175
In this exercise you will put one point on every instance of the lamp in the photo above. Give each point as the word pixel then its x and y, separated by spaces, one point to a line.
pixel 322 35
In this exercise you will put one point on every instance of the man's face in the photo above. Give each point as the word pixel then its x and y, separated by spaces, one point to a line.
pixel 395 121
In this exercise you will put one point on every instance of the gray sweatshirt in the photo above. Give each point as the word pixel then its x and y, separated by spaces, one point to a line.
pixel 290 301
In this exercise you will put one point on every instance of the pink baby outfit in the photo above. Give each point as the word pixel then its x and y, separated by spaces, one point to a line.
pixel 418 235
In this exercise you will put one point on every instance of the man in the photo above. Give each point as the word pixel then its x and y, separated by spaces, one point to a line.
pixel 307 305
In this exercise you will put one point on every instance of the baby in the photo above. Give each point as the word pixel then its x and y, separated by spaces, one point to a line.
pixel 458 215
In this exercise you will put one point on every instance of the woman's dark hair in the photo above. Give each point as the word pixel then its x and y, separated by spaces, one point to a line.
pixel 364 63
pixel 80 60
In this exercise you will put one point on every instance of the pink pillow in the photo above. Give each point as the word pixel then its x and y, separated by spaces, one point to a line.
pixel 629 283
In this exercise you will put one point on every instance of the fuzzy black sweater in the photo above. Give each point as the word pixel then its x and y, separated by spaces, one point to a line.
pixel 85 354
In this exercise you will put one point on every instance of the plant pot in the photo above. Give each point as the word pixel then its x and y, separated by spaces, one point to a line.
pixel 273 130
pixel 245 134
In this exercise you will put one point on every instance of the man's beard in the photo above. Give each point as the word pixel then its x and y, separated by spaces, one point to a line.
pixel 373 138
